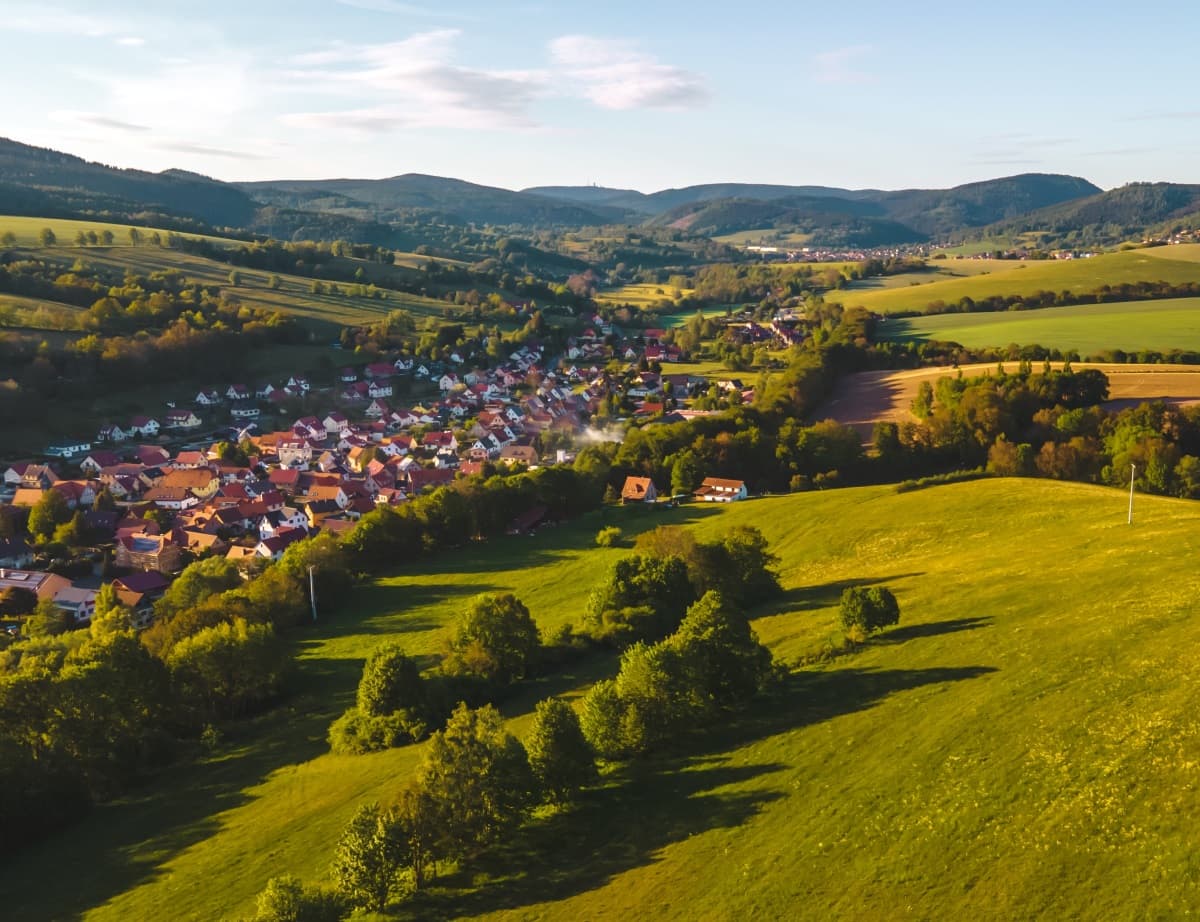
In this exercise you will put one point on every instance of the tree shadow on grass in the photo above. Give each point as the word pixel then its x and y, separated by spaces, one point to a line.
pixel 640 810
pixel 643 807
pixel 931 629
pixel 807 598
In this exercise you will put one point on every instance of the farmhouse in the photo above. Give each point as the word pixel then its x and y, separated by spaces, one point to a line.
pixel 719 490
pixel 639 490
pixel 149 552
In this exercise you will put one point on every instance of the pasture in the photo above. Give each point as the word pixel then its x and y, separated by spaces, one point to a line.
pixel 1088 328
pixel 644 296
pixel 997 755
pixel 1028 277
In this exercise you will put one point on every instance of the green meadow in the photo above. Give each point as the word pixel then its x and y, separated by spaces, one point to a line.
pixel 1008 277
pixel 1025 744
pixel 642 295
pixel 28 231
pixel 1089 328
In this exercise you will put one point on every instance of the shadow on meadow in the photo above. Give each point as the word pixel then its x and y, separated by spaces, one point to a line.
pixel 824 595
pixel 643 807
pixel 931 629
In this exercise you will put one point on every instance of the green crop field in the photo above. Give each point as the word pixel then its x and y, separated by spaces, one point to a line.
pixel 769 237
pixel 1089 328
pixel 1028 277
pixel 1024 745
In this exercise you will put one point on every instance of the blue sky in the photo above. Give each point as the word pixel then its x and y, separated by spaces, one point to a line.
pixel 643 95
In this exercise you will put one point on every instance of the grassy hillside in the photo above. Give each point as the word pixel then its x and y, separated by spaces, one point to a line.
pixel 1026 278
pixel 28 231
pixel 1024 744
pixel 1090 328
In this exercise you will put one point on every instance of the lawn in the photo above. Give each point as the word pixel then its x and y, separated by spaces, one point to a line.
pixel 1030 276
pixel 1023 745
pixel 1089 328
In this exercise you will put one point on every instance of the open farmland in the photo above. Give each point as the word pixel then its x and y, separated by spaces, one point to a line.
pixel 1089 329
pixel 992 757
pixel 863 399
pixel 1031 276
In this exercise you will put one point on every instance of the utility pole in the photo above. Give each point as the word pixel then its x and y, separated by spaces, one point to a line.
pixel 312 589
pixel 1133 471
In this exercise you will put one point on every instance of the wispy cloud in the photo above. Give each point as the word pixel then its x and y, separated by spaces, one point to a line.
pixel 42 19
pixel 184 147
pixel 615 74
pixel 417 84
pixel 95 118
pixel 842 65
pixel 131 41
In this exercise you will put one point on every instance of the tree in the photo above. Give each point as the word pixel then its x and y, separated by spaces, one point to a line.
pixel 559 755
pixel 390 681
pixel 47 620
pixel 47 237
pixel 642 597
pixel 286 899
pixel 8 239
pixel 105 501
pixel 48 513
pixel 479 775
pixel 16 601
pixel 274 282
pixel 686 472
pixel 600 719
pixel 196 583
pixel 235 278
pixel 135 236
pixel 723 660
pixel 107 238
pixel 739 566
pixel 368 858
pixel 865 610
pixel 111 613
pixel 226 669
pixel 496 640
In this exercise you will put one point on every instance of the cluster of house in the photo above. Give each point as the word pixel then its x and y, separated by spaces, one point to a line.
pixel 711 490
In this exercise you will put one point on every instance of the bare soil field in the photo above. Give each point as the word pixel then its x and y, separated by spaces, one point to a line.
pixel 863 399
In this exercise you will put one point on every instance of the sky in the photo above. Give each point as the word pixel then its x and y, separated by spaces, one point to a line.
pixel 644 95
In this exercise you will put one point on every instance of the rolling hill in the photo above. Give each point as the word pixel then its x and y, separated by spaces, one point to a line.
pixel 1024 744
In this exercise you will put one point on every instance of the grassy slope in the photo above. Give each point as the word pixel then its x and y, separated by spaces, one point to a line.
pixel 641 295
pixel 28 230
pixel 1040 275
pixel 1090 328
pixel 1024 744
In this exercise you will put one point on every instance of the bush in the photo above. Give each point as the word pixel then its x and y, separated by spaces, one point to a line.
pixel 867 610
pixel 355 733
pixel 609 537
pixel 286 899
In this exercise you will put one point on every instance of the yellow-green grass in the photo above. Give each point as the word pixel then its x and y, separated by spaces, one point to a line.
pixel 1030 276
pixel 1189 252
pixel 1025 744
pixel 642 295
pixel 764 237
pixel 28 231
pixel 294 295
pixel 1089 328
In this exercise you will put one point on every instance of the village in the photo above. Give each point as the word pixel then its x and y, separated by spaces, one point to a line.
pixel 152 493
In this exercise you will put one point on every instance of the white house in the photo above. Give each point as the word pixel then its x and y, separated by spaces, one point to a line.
pixel 143 426
pixel 208 398
pixel 719 490
pixel 245 412
pixel 182 419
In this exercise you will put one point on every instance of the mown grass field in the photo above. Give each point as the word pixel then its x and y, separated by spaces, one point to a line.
pixel 1090 328
pixel 1026 743
pixel 1031 276
pixel 764 237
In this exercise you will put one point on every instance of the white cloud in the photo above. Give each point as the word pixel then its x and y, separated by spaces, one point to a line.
pixel 614 74
pixel 842 65
pixel 131 41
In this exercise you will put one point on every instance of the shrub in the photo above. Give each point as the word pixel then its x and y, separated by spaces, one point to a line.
pixel 608 537
pixel 866 610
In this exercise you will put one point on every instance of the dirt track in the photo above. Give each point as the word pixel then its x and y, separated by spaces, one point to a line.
pixel 866 398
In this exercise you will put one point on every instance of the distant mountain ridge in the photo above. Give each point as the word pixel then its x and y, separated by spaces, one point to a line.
pixel 37 180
